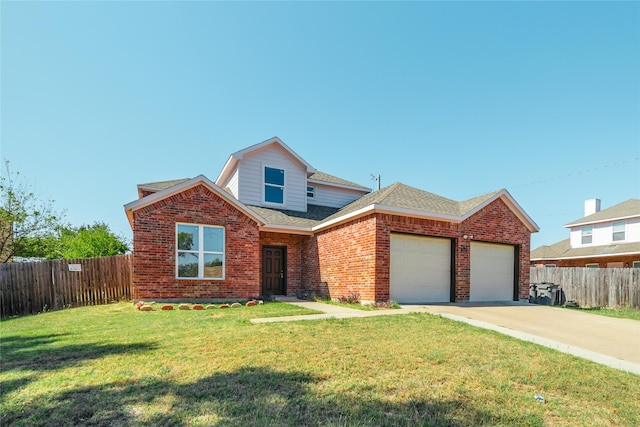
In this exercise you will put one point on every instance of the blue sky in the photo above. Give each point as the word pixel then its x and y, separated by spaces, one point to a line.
pixel 455 98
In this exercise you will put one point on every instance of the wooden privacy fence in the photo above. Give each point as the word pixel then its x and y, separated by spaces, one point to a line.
pixel 594 287
pixel 34 287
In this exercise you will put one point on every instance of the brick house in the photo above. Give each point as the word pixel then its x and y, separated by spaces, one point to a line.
pixel 602 238
pixel 272 224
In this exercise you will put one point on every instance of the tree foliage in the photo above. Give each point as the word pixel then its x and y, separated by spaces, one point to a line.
pixel 90 241
pixel 23 216
pixel 30 228
pixel 86 241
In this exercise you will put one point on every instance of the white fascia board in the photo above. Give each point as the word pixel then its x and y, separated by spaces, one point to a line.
pixel 376 208
pixel 289 229
pixel 344 218
pixel 275 140
pixel 227 170
pixel 584 256
pixel 582 224
pixel 512 204
pixel 520 213
pixel 332 184
pixel 232 163
pixel 200 179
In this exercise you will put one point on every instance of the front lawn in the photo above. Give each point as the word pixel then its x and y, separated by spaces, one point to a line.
pixel 114 365
pixel 623 313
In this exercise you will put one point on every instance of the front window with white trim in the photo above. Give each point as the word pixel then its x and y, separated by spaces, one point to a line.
pixel 618 231
pixel 587 235
pixel 200 251
pixel 273 185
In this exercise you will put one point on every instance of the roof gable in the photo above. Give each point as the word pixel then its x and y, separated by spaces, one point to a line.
pixel 233 160
pixel 626 209
pixel 405 200
pixel 154 187
pixel 563 250
pixel 185 185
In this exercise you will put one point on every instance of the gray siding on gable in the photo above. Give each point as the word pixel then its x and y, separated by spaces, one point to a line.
pixel 250 172
pixel 333 197
pixel 232 185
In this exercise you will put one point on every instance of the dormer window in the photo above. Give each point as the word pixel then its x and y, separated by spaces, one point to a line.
pixel 618 231
pixel 587 235
pixel 273 185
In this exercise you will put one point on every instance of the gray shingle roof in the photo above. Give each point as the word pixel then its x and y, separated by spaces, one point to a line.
pixel 397 195
pixel 314 215
pixel 163 185
pixel 563 249
pixel 402 196
pixel 625 209
pixel 325 177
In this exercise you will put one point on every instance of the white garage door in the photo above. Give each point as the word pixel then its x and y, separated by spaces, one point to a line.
pixel 420 269
pixel 491 272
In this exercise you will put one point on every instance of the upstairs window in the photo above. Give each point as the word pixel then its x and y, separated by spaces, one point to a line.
pixel 311 192
pixel 618 231
pixel 587 235
pixel 274 185
pixel 200 251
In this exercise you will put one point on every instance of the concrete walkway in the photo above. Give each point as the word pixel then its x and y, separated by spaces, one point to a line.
pixel 609 341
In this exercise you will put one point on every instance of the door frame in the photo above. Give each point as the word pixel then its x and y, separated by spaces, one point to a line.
pixel 284 267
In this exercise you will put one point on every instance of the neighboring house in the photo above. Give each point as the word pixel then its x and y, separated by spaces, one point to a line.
pixel 603 238
pixel 272 224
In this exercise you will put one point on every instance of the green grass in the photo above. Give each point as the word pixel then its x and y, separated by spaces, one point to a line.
pixel 624 313
pixel 114 365
pixel 364 307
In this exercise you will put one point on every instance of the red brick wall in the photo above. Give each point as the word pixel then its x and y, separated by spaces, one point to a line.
pixel 154 265
pixel 355 256
pixel 294 244
pixel 496 223
pixel 348 258
pixel 346 261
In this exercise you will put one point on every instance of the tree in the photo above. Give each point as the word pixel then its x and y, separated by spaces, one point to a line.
pixel 23 216
pixel 86 241
pixel 90 241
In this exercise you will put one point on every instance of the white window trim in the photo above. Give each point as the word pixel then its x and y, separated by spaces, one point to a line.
pixel 312 192
pixel 624 231
pixel 201 252
pixel 264 184
pixel 582 235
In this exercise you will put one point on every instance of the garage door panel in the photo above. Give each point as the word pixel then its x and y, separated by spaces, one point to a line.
pixel 492 272
pixel 420 269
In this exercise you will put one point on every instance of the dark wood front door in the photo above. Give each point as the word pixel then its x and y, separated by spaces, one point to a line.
pixel 273 270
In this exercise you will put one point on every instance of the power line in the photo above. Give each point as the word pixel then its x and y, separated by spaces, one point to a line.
pixel 582 172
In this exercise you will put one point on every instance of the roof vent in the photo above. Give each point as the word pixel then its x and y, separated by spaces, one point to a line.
pixel 591 206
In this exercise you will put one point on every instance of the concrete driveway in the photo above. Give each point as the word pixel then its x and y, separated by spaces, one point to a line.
pixel 606 340
pixel 609 341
